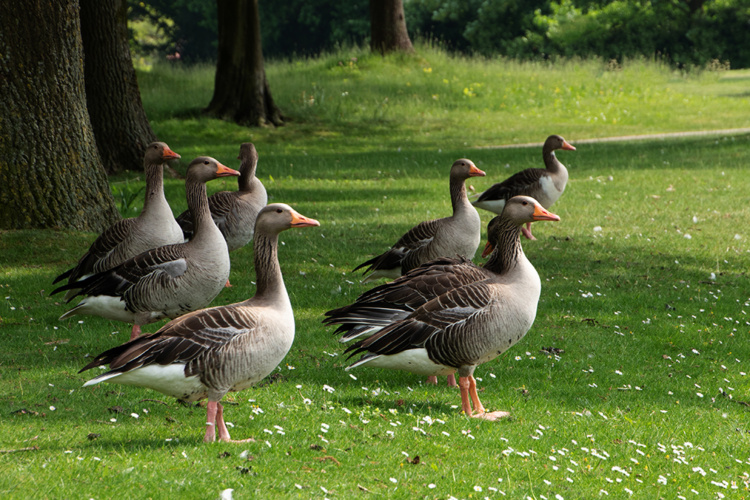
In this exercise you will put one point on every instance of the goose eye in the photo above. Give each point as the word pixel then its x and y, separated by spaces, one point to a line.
pixel 278 210
pixel 205 162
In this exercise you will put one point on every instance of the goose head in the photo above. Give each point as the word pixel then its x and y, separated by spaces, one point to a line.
pixel 278 217
pixel 465 168
pixel 158 152
pixel 518 211
pixel 555 142
pixel 205 168
pixel 248 153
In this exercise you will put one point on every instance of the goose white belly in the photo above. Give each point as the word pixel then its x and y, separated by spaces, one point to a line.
pixel 495 206
pixel 548 192
pixel 411 360
pixel 166 379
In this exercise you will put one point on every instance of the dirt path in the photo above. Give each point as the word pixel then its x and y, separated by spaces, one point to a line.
pixel 623 138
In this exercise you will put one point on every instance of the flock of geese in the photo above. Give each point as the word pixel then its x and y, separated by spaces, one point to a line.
pixel 439 315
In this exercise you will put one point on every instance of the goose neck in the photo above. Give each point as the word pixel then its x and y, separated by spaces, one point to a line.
pixel 154 185
pixel 508 250
pixel 197 201
pixel 459 200
pixel 247 174
pixel 267 270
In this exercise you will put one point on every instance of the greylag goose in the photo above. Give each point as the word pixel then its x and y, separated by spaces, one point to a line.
pixel 546 185
pixel 446 237
pixel 234 212
pixel 210 352
pixel 395 300
pixel 155 226
pixel 166 281
pixel 470 324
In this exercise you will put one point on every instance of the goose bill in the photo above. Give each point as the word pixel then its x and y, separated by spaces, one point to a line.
pixel 224 171
pixel 488 248
pixel 568 146
pixel 168 154
pixel 541 213
pixel 299 220
pixel 475 172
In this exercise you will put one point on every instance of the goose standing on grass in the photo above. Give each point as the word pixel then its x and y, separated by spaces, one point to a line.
pixel 210 352
pixel 234 212
pixel 155 226
pixel 545 185
pixel 458 234
pixel 470 324
pixel 377 308
pixel 167 281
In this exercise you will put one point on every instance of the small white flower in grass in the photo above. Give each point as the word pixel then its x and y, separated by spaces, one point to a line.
pixel 268 444
pixel 603 492
pixel 134 415
pixel 432 486
pixel 699 394
pixel 298 386
pixel 328 388
pixel 394 480
pixel 446 434
pixel 352 376
pixel 597 229
pixel 618 372
pixel 226 494
pixel 737 237
pixel 477 488
pixel 688 237
pixel 113 420
pixel 298 486
pixel 52 408
pixel 184 455
pixel 559 497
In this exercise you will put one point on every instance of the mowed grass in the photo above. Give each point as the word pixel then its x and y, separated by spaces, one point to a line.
pixel 632 383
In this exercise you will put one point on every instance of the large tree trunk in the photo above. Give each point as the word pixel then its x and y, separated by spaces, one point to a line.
pixel 114 101
pixel 51 175
pixel 241 92
pixel 388 27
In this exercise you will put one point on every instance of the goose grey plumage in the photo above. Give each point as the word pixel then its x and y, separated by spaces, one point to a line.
pixel 450 236
pixel 234 212
pixel 155 226
pixel 545 185
pixel 469 324
pixel 210 352
pixel 167 281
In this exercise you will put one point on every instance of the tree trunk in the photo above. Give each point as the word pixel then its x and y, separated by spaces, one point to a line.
pixel 388 27
pixel 241 92
pixel 120 124
pixel 50 171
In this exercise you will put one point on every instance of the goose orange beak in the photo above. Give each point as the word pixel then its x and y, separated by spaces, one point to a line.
pixel 168 154
pixel 224 171
pixel 475 172
pixel 299 220
pixel 488 248
pixel 541 213
pixel 568 146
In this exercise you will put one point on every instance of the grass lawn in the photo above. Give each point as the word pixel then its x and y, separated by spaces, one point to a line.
pixel 632 383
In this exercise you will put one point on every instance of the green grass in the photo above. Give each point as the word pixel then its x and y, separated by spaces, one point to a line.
pixel 634 377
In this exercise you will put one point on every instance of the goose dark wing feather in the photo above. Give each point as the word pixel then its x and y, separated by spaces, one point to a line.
pixel 439 318
pixel 166 261
pixel 104 244
pixel 517 184
pixel 185 340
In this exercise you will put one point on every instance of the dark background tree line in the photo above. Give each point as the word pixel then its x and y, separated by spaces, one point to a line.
pixel 681 32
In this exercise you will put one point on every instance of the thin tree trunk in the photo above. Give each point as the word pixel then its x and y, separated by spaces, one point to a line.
pixel 388 27
pixel 51 175
pixel 241 92
pixel 120 124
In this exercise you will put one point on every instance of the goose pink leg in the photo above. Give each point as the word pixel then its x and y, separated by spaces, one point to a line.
pixel 527 231
pixel 469 396
pixel 135 332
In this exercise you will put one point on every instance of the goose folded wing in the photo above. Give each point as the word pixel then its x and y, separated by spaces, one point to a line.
pixel 440 321
pixel 517 184
pixel 162 263
pixel 188 339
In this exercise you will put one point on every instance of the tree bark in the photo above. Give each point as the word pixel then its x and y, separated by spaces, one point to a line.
pixel 388 27
pixel 120 124
pixel 51 175
pixel 241 92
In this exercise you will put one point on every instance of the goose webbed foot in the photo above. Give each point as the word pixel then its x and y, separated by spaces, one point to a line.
pixel 469 397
